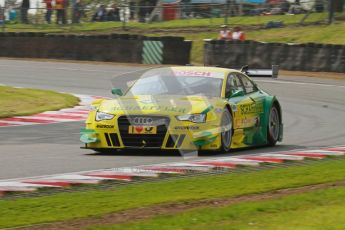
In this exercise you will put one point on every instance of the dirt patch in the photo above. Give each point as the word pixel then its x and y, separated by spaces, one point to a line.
pixel 324 75
pixel 150 212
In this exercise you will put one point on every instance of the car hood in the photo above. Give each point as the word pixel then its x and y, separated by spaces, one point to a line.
pixel 162 105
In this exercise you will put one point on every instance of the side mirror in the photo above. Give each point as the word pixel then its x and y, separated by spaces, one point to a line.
pixel 116 91
pixel 245 69
pixel 96 103
pixel 237 93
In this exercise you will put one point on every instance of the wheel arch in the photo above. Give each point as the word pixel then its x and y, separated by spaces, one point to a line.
pixel 273 101
pixel 227 105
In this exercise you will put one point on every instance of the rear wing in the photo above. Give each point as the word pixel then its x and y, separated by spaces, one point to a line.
pixel 261 72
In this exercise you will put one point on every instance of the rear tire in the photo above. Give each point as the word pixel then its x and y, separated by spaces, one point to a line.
pixel 226 134
pixel 273 129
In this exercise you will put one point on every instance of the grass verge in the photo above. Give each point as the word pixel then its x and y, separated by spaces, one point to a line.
pixel 68 206
pixel 318 210
pixel 183 23
pixel 22 101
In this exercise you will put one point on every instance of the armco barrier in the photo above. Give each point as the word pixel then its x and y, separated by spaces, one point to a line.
pixel 125 48
pixel 302 57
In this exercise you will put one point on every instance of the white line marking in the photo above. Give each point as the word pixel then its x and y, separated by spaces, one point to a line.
pixel 298 83
pixel 16 189
pixel 283 157
pixel 73 177
pixel 21 184
pixel 125 172
pixel 325 152
pixel 237 161
pixel 18 122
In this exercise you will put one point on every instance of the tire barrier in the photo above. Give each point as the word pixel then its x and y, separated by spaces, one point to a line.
pixel 259 55
pixel 126 48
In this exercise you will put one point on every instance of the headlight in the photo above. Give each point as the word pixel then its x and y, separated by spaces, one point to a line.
pixel 196 118
pixel 100 116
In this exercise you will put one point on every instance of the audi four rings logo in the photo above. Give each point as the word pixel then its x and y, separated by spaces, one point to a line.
pixel 142 121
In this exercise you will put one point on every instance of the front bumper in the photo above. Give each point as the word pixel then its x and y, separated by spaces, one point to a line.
pixel 178 135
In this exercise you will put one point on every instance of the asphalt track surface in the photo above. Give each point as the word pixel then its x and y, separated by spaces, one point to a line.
pixel 313 115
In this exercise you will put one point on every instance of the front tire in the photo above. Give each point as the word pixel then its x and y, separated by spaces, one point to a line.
pixel 273 126
pixel 226 134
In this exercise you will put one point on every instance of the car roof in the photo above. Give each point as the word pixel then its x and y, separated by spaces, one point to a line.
pixel 218 70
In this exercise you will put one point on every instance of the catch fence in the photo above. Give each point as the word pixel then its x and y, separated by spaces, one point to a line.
pixel 176 14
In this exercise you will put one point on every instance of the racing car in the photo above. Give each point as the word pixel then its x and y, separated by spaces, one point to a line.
pixel 185 108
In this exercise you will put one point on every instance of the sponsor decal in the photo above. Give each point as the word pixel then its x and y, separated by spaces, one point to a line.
pixel 150 107
pixel 251 108
pixel 187 128
pixel 247 122
pixel 195 73
pixel 105 126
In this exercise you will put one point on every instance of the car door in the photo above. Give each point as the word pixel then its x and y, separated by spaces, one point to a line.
pixel 236 94
pixel 251 112
pixel 239 100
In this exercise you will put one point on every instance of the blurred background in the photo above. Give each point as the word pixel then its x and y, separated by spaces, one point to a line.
pixel 150 11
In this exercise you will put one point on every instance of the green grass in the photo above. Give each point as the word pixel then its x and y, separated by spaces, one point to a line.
pixel 320 210
pixel 21 101
pixel 331 34
pixel 183 23
pixel 66 206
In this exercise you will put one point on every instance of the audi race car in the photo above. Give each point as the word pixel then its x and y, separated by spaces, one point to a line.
pixel 185 108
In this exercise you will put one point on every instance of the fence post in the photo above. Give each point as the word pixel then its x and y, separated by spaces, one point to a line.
pixel 331 12
pixel 275 71
pixel 2 17
pixel 226 12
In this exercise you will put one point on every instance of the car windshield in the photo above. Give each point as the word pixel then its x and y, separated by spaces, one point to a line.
pixel 168 81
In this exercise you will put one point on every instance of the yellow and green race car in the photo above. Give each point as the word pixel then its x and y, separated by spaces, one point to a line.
pixel 185 108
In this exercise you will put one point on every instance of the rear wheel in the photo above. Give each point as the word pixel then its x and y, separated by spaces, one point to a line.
pixel 273 126
pixel 226 134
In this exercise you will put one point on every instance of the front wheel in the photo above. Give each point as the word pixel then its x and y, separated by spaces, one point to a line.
pixel 273 126
pixel 226 134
